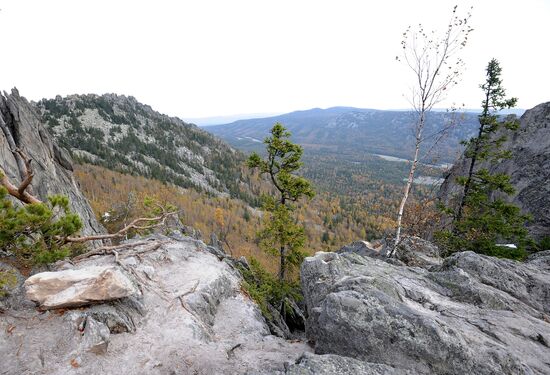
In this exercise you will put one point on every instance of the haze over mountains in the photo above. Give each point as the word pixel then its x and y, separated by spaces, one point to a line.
pixel 348 131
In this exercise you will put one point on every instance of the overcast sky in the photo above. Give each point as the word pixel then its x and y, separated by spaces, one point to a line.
pixel 207 58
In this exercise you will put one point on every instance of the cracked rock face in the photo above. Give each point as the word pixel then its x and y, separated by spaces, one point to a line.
pixel 471 315
pixel 191 318
pixel 330 364
pixel 51 164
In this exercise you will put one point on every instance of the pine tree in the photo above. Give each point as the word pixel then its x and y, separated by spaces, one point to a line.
pixel 281 234
pixel 483 218
pixel 36 232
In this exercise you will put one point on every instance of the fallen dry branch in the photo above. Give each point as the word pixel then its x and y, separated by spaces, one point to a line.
pixel 112 250
pixel 123 231
pixel 29 174
pixel 19 192
pixel 104 250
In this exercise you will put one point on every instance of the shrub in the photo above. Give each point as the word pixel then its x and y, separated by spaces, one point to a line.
pixel 266 289
pixel 544 244
pixel 8 280
pixel 35 233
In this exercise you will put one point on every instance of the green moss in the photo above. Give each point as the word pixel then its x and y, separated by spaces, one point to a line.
pixel 8 281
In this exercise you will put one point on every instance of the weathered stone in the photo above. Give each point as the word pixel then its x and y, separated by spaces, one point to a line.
pixel 78 287
pixel 276 323
pixel 473 314
pixel 330 364
pixel 414 251
pixel 191 232
pixel 364 248
pixel 95 336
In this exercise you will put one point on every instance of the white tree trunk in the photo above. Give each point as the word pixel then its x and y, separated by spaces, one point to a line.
pixel 410 181
pixel 405 197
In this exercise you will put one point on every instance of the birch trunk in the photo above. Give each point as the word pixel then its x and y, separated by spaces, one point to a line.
pixel 410 181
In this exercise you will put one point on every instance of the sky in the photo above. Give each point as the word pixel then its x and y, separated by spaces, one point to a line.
pixel 216 57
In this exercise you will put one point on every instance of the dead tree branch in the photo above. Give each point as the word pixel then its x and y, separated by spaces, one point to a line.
pixel 109 249
pixel 160 220
pixel 19 192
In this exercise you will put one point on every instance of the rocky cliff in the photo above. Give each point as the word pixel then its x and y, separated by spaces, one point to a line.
pixel 51 164
pixel 529 168
pixel 472 314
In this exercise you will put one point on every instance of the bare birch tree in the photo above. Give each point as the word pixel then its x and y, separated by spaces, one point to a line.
pixel 435 62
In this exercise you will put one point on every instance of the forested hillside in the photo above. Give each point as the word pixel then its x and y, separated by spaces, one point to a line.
pixel 330 221
pixel 121 134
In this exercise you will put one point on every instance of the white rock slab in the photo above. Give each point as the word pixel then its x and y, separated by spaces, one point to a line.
pixel 78 287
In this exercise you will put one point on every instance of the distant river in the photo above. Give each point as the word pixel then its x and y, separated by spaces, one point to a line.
pixel 393 158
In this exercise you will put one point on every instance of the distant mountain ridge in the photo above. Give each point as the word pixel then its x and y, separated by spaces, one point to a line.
pixel 348 130
pixel 122 134
pixel 217 120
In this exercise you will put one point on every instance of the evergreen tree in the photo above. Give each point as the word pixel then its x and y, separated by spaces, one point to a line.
pixel 281 234
pixel 483 217
pixel 36 232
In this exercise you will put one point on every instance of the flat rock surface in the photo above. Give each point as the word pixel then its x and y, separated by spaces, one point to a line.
pixel 191 318
pixel 471 315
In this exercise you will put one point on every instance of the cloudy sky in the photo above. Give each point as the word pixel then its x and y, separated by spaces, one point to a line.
pixel 208 58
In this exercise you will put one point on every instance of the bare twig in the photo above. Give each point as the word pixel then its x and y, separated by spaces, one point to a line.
pixel 112 249
pixel 123 231
pixel 230 352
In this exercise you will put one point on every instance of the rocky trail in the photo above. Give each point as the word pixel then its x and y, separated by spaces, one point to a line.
pixel 184 314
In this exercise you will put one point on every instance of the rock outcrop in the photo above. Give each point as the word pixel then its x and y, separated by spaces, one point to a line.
pixel 69 288
pixel 190 318
pixel 473 314
pixel 52 165
pixel 529 168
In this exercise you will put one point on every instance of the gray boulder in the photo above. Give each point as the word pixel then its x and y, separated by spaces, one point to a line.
pixel 414 251
pixel 472 315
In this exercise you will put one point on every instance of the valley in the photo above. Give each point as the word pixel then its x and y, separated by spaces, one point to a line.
pixel 274 188
pixel 125 151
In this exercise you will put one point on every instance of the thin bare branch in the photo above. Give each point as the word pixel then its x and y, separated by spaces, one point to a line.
pixel 123 231
pixel 114 249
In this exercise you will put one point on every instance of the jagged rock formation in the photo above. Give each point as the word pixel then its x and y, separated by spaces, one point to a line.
pixel 472 315
pixel 529 168
pixel 51 164
pixel 191 318
pixel 119 133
